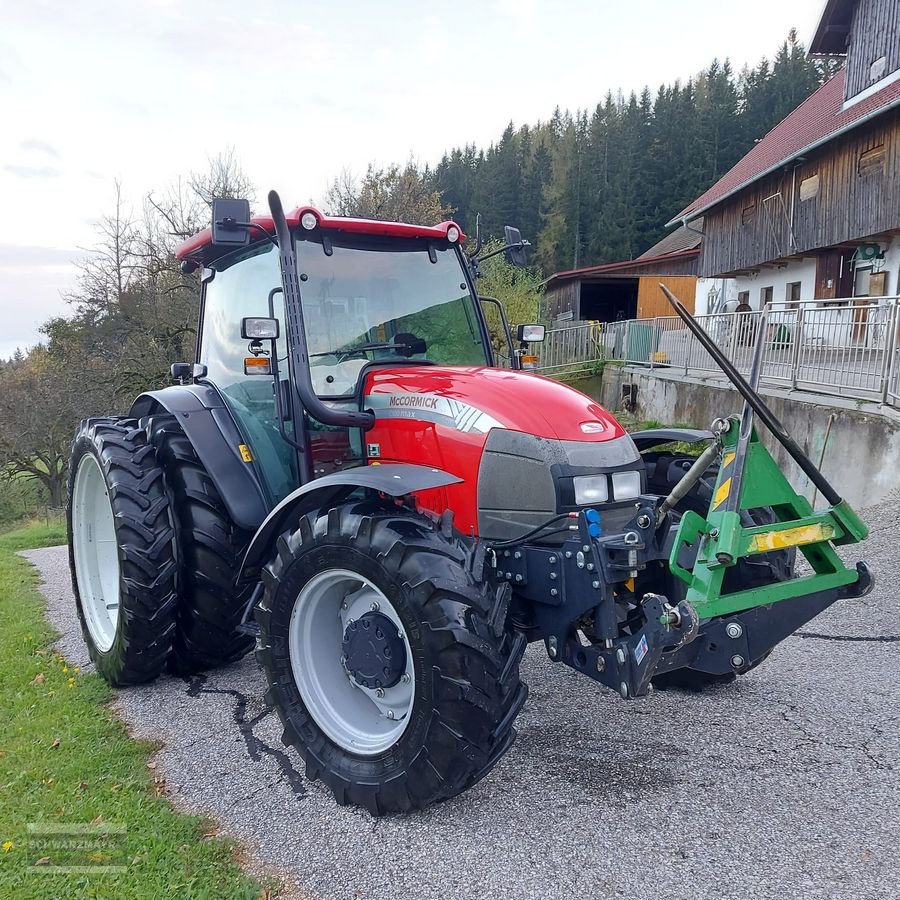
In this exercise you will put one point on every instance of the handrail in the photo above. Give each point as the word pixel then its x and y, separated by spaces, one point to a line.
pixel 846 346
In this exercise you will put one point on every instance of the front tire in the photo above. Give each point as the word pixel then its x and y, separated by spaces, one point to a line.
pixel 444 717
pixel 121 550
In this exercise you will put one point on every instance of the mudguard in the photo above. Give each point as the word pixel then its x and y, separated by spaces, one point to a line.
pixel 393 479
pixel 209 426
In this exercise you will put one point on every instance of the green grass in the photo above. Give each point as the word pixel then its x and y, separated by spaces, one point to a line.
pixel 66 760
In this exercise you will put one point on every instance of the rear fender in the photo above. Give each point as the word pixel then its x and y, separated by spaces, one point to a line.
pixel 393 479
pixel 209 426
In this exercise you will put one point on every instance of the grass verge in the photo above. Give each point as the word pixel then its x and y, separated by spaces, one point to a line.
pixel 68 768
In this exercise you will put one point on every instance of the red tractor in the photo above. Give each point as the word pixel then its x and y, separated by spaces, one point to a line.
pixel 345 477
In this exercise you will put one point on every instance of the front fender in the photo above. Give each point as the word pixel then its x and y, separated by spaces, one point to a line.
pixel 209 426
pixel 393 479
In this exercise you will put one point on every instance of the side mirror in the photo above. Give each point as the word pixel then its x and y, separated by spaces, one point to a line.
pixel 230 222
pixel 515 247
pixel 531 334
pixel 185 372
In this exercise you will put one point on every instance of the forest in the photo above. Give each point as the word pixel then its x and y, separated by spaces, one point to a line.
pixel 586 187
pixel 598 186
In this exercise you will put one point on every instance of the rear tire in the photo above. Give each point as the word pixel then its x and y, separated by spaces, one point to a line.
pixel 463 668
pixel 664 471
pixel 211 547
pixel 121 550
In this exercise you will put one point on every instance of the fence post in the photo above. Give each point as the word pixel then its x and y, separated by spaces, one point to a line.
pixel 795 350
pixel 890 351
pixel 734 328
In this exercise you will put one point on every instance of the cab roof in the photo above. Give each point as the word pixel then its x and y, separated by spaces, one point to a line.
pixel 200 249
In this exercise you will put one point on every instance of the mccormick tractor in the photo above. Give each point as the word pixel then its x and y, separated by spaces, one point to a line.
pixel 345 477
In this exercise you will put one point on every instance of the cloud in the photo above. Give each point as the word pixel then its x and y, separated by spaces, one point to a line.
pixel 33 171
pixel 34 145
pixel 16 256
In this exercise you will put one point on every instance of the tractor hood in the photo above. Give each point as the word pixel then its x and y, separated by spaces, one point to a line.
pixel 516 440
pixel 475 400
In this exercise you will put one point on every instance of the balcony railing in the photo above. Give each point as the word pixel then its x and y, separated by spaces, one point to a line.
pixel 846 347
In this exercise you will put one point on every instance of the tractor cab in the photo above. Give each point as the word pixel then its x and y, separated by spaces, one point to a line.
pixel 372 296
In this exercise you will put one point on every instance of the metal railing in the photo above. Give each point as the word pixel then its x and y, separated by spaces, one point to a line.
pixel 572 348
pixel 845 347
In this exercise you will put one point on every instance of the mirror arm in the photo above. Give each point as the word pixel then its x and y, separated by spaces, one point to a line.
pixel 513 355
pixel 519 245
pixel 479 239
pixel 231 223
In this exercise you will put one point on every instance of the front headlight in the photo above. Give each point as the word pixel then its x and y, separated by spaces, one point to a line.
pixel 626 485
pixel 590 489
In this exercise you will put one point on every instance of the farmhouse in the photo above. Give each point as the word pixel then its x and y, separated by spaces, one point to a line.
pixel 812 212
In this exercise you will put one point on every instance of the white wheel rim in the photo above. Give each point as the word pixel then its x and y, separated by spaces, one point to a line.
pixel 362 721
pixel 96 552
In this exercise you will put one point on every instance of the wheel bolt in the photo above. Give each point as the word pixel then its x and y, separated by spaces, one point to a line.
pixel 734 630
pixel 737 661
pixel 374 606
pixel 406 679
pixel 390 714
pixel 379 693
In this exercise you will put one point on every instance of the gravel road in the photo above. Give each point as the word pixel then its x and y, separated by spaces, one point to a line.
pixel 784 785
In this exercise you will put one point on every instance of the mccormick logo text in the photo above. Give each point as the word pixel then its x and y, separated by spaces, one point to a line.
pixel 413 400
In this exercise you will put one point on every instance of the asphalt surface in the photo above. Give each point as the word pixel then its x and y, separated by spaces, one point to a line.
pixel 784 785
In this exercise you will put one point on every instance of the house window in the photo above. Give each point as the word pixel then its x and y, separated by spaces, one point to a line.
pixel 792 293
pixel 871 162
pixel 765 295
pixel 748 214
pixel 809 187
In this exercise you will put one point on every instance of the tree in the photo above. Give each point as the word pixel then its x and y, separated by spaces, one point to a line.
pixel 393 194
pixel 40 405
pixel 184 208
pixel 598 187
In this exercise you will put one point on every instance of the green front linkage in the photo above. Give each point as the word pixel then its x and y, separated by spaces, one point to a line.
pixel 720 539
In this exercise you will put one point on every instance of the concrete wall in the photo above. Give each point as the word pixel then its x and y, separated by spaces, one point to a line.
pixel 861 456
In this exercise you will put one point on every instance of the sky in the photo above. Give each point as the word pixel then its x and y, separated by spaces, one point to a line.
pixel 143 92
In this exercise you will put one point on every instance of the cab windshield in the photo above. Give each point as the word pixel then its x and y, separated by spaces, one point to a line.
pixel 377 299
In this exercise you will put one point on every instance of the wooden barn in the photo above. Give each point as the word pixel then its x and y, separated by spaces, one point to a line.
pixel 629 289
pixel 812 212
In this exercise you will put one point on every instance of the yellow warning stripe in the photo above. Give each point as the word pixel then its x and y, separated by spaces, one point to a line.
pixel 791 537
pixel 728 459
pixel 722 493
pixel 246 455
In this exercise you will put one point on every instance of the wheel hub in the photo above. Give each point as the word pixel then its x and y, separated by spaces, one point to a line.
pixel 374 652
